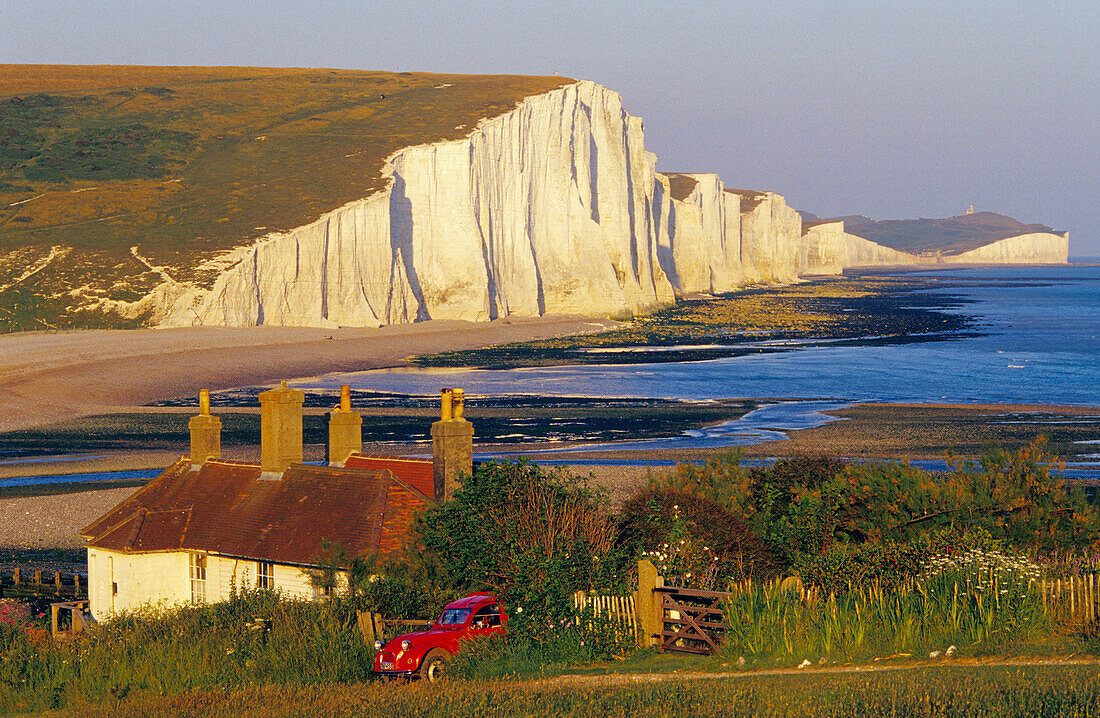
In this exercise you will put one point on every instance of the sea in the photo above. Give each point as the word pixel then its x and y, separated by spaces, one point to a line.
pixel 1034 338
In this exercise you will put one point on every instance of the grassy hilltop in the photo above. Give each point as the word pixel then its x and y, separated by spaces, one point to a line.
pixel 951 235
pixel 182 163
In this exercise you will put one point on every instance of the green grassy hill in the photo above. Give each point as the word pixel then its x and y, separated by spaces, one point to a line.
pixel 182 163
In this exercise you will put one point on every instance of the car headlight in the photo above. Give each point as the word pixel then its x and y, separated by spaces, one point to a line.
pixel 405 645
pixel 378 645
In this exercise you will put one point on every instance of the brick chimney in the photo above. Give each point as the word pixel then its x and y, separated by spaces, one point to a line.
pixel 452 444
pixel 280 430
pixel 345 430
pixel 206 433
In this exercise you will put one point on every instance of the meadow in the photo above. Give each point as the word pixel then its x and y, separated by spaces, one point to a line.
pixel 1047 691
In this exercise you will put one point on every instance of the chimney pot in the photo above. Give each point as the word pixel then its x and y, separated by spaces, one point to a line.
pixel 206 433
pixel 345 430
pixel 445 412
pixel 280 428
pixel 452 445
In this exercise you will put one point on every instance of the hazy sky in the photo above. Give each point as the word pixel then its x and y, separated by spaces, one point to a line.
pixel 889 109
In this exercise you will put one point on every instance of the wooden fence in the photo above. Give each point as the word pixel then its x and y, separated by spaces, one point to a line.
pixel 692 621
pixel 619 609
pixel 39 583
pixel 1075 599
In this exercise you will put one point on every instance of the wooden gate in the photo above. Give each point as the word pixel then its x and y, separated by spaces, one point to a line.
pixel 693 621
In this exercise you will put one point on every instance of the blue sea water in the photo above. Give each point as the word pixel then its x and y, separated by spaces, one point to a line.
pixel 1039 342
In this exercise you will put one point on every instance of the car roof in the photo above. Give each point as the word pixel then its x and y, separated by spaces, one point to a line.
pixel 472 601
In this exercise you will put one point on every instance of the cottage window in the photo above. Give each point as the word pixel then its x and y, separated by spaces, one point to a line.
pixel 265 575
pixel 197 571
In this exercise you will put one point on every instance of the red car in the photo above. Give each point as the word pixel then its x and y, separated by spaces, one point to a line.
pixel 424 654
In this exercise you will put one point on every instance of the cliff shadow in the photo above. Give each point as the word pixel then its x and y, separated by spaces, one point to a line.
pixel 664 251
pixel 401 241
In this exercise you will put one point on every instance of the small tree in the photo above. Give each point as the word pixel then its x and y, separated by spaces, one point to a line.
pixel 531 536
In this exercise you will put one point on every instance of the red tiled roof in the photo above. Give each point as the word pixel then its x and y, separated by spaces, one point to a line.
pixel 418 473
pixel 227 508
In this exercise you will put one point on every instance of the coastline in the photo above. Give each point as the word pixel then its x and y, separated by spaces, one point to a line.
pixel 48 377
pixel 107 379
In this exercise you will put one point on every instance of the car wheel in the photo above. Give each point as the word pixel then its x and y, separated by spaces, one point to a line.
pixel 434 665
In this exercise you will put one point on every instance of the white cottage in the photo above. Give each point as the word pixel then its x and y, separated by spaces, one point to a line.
pixel 206 527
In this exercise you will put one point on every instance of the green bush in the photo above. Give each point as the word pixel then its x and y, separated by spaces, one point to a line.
pixel 841 567
pixel 800 507
pixel 693 541
pixel 531 536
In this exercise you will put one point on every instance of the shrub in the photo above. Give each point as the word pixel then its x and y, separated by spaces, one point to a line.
pixel 693 541
pixel 841 567
pixel 533 537
pixel 802 506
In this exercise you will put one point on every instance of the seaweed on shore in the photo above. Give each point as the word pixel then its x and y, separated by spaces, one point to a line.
pixel 859 311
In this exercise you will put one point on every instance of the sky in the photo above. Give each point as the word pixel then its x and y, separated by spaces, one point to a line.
pixel 894 110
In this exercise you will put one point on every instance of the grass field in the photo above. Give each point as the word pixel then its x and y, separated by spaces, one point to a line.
pixel 1006 691
pixel 182 163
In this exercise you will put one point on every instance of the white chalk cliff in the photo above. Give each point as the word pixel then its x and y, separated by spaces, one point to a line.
pixel 1034 248
pixel 554 207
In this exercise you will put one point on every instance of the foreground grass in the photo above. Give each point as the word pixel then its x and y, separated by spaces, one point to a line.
pixel 938 691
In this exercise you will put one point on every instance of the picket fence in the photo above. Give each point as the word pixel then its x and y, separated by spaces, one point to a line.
pixel 1074 599
pixel 620 609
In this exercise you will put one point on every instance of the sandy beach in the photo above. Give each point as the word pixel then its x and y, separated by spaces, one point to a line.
pixel 50 377
pixel 47 377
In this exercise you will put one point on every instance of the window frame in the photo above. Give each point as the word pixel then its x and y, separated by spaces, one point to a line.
pixel 265 575
pixel 196 572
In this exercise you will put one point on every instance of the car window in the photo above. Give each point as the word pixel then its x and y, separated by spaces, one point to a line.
pixel 454 617
pixel 488 615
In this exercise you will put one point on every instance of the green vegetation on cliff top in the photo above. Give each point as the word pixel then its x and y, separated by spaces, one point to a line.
pixel 182 163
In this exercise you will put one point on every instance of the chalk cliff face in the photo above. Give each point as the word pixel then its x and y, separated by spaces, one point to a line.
pixel 770 237
pixel 555 207
pixel 827 249
pixel 1035 248
pixel 551 208
pixel 700 241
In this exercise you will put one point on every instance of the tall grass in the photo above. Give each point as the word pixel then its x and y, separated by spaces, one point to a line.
pixel 252 639
pixel 973 605
pixel 1048 691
